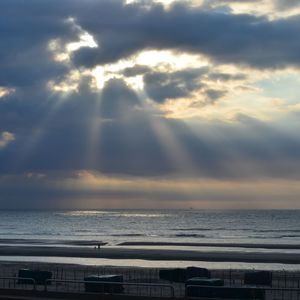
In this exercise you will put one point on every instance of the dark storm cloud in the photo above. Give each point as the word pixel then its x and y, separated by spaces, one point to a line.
pixel 25 31
pixel 163 86
pixel 214 95
pixel 224 37
pixel 121 30
pixel 136 70
pixel 226 76
pixel 117 100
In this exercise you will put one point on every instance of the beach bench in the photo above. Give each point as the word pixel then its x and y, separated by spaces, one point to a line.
pixel 258 278
pixel 173 275
pixel 192 272
pixel 181 275
pixel 40 277
pixel 241 293
pixel 205 281
pixel 104 284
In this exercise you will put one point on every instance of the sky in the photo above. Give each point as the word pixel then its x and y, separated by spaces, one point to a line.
pixel 149 104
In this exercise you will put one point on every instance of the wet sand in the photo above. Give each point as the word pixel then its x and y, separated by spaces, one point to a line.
pixel 231 245
pixel 51 242
pixel 151 254
pixel 62 242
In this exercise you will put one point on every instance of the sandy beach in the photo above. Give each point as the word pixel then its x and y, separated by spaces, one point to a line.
pixel 69 276
pixel 150 254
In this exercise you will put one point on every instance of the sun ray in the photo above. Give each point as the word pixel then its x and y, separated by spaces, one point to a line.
pixel 35 136
pixel 173 148
pixel 93 160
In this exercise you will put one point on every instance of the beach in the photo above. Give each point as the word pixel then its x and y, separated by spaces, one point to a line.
pixel 122 252
pixel 139 264
pixel 138 244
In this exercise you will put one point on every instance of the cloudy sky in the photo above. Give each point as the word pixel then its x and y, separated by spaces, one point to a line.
pixel 149 104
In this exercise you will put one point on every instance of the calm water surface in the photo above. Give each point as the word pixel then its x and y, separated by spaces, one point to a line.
pixel 116 226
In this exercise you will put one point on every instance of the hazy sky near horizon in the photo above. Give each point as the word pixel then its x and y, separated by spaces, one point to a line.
pixel 149 104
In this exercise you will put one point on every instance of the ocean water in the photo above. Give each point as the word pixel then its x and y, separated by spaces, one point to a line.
pixel 181 226
pixel 227 231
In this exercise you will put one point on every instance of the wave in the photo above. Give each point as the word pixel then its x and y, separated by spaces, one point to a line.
pixel 264 237
pixel 135 215
pixel 235 229
pixel 112 213
pixel 128 234
pixel 84 213
pixel 188 235
pixel 31 234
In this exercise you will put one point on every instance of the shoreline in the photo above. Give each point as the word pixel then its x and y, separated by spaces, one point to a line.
pixel 83 243
pixel 119 253
pixel 231 245
pixel 51 242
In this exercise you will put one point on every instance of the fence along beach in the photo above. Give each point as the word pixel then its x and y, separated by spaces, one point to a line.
pixel 144 282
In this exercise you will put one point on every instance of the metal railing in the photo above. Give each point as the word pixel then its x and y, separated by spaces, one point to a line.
pixel 270 293
pixel 20 279
pixel 138 291
pixel 141 289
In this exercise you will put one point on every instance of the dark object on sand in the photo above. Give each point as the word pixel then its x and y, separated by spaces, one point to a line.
pixel 205 281
pixel 174 275
pixel 40 277
pixel 258 278
pixel 192 272
pixel 100 285
pixel 225 292
pixel 181 275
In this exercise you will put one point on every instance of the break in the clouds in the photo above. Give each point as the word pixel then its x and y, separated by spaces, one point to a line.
pixel 112 102
pixel 5 139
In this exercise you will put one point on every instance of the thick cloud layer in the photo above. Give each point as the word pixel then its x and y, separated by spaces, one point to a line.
pixel 122 30
pixel 51 126
pixel 129 141
pixel 228 38
pixel 26 30
pixel 162 86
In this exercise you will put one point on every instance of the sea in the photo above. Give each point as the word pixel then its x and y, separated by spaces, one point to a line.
pixel 230 230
